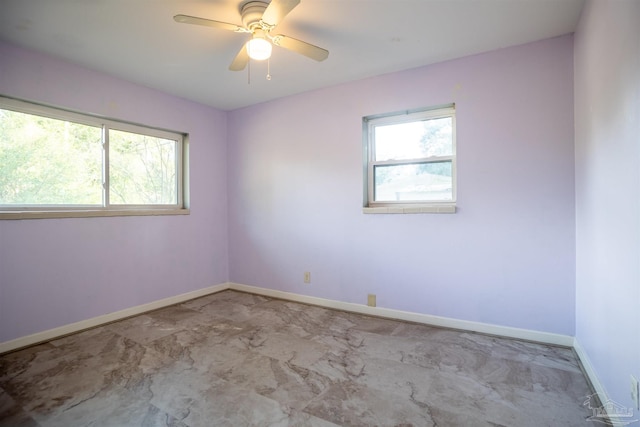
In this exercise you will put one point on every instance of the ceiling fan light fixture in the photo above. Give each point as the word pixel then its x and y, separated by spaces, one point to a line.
pixel 259 18
pixel 259 48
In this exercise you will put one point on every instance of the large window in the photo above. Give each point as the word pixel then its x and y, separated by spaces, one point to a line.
pixel 411 160
pixel 58 161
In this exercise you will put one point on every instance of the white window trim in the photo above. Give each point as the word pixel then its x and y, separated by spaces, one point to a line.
pixel 106 210
pixel 370 206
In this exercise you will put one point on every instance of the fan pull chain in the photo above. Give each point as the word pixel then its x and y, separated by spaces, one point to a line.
pixel 268 69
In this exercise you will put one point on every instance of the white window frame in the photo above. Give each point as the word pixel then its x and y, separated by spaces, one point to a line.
pixel 370 205
pixel 106 209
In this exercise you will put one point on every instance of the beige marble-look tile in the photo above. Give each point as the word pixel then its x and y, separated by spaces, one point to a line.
pixel 456 378
pixel 90 341
pixel 510 348
pixel 535 353
pixel 281 346
pixel 229 305
pixel 416 331
pixel 284 382
pixel 371 324
pixel 301 320
pixel 231 406
pixel 444 350
pixel 12 414
pixel 173 314
pixel 394 377
pixel 142 329
pixel 113 408
pixel 207 353
pixel 281 380
pixel 13 363
pixel 340 364
pixel 351 350
pixel 347 403
pixel 494 379
pixel 497 403
pixel 53 385
pixel 450 394
pixel 412 383
pixel 151 326
pixel 559 386
pixel 230 296
pixel 500 385
pixel 16 370
pixel 199 398
pixel 196 345
pixel 239 359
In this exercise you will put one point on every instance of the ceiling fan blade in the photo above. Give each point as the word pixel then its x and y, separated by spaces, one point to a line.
pixel 303 48
pixel 186 19
pixel 241 60
pixel 277 10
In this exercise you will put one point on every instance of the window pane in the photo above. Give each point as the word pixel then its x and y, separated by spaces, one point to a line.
pixel 47 161
pixel 142 169
pixel 414 140
pixel 415 182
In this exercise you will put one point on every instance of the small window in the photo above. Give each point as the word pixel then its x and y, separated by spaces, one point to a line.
pixel 411 159
pixel 53 160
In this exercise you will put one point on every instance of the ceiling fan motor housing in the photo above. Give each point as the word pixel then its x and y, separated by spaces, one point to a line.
pixel 259 18
pixel 252 13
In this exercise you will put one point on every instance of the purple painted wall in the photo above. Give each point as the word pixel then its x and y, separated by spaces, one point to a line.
pixel 293 177
pixel 607 123
pixel 507 257
pixel 58 271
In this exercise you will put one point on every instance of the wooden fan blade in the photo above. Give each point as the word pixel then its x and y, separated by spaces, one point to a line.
pixel 186 19
pixel 241 59
pixel 277 10
pixel 303 48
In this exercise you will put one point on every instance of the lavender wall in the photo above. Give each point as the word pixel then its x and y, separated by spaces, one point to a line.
pixel 293 177
pixel 58 271
pixel 607 123
pixel 507 257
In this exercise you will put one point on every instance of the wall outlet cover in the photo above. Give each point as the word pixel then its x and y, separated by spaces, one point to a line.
pixel 371 300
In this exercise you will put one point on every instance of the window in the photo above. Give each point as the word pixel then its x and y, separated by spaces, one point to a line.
pixel 71 164
pixel 410 161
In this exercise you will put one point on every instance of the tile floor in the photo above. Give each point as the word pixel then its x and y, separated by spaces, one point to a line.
pixel 236 359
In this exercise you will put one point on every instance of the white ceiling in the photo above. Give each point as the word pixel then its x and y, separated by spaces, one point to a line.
pixel 139 41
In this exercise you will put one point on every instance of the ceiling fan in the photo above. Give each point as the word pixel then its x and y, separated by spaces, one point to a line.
pixel 259 19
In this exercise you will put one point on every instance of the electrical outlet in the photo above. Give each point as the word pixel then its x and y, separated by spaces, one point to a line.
pixel 635 392
pixel 307 277
pixel 371 300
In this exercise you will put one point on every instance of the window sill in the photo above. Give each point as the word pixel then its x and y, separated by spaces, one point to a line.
pixel 89 213
pixel 449 208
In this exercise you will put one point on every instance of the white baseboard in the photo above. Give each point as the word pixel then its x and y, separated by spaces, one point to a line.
pixel 71 328
pixel 588 368
pixel 590 372
pixel 447 322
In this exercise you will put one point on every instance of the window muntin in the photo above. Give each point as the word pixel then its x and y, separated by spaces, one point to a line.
pixel 52 160
pixel 411 158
